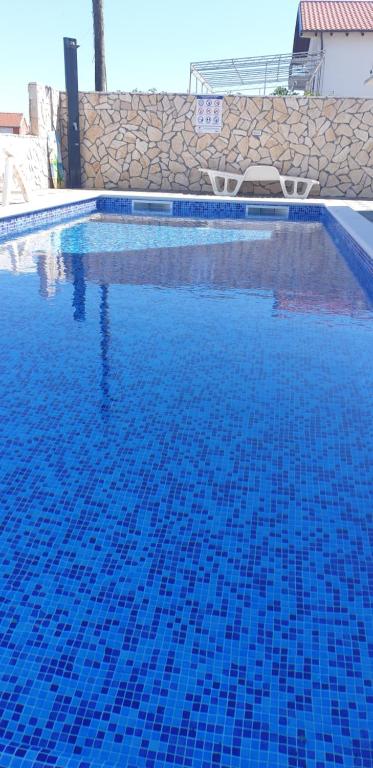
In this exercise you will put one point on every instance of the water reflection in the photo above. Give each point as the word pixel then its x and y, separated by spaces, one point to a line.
pixel 78 278
pixel 105 347
pixel 39 254
pixel 298 269
pixel 297 264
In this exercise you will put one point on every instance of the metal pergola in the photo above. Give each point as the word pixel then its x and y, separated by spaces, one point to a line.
pixel 259 74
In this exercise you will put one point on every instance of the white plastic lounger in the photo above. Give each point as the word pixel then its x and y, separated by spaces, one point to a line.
pixel 224 183
pixel 12 173
pixel 292 186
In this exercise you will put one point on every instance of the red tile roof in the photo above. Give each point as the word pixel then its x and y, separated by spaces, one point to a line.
pixel 336 15
pixel 10 119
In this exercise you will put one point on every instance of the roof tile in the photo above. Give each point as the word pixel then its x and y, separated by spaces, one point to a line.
pixel 10 119
pixel 336 15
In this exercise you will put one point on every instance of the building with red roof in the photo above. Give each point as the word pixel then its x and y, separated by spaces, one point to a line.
pixel 13 122
pixel 343 31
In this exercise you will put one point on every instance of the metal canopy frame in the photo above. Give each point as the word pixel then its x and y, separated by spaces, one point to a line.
pixel 296 71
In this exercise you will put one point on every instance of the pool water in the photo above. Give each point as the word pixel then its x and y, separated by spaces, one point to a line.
pixel 186 482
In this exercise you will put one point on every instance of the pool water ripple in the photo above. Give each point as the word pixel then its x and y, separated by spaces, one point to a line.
pixel 186 486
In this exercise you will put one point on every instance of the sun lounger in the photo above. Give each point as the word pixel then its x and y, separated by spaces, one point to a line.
pixel 12 174
pixel 224 183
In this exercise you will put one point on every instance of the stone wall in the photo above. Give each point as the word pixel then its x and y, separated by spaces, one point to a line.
pixel 149 141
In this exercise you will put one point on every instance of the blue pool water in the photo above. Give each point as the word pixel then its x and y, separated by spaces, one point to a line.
pixel 186 481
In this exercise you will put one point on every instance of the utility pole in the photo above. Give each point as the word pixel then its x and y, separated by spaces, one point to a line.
pixel 99 44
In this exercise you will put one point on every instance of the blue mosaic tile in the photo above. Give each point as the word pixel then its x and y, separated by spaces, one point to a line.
pixel 13 226
pixel 304 212
pixel 28 222
pixel 186 489
pixel 210 209
pixel 206 209
pixel 109 204
pixel 346 243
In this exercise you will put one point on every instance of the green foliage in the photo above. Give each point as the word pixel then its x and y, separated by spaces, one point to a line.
pixel 150 90
pixel 281 90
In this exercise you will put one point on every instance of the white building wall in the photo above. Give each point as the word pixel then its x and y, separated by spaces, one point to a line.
pixel 348 61
pixel 30 153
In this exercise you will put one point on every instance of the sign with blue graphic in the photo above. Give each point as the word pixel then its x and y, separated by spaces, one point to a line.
pixel 209 114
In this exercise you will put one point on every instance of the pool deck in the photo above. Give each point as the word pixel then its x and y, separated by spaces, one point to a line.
pixel 346 212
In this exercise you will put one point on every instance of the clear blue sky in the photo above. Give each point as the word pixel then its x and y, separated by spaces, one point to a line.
pixel 149 43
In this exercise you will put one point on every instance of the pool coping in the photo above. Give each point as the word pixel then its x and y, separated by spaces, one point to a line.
pixel 345 213
pixel 356 226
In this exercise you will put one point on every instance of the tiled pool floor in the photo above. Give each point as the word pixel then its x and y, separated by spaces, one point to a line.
pixel 186 482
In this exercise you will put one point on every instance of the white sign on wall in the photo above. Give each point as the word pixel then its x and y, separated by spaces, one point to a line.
pixel 209 114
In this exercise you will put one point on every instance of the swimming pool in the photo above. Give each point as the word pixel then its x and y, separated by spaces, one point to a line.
pixel 186 483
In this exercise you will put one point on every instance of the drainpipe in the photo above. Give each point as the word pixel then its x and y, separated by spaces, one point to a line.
pixel 321 72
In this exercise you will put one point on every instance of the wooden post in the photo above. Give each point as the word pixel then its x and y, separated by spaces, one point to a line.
pixel 99 43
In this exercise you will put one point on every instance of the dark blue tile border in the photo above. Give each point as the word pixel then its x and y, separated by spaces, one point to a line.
pixel 109 204
pixel 210 209
pixel 359 262
pixel 344 240
pixel 22 223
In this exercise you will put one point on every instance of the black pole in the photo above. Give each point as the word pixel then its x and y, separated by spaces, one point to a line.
pixel 73 137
